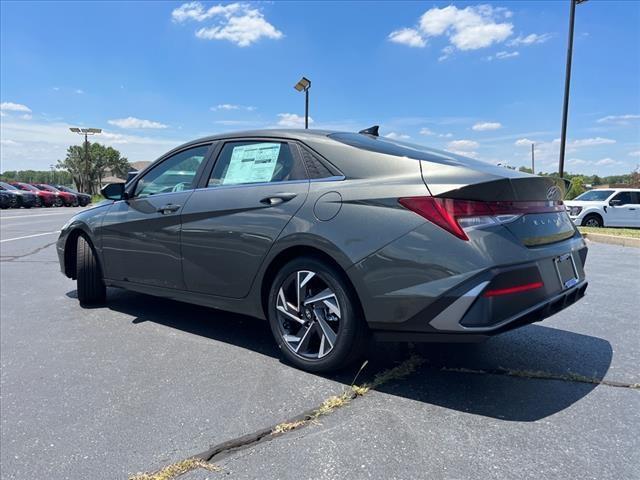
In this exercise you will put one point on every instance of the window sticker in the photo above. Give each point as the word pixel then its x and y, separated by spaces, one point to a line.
pixel 252 163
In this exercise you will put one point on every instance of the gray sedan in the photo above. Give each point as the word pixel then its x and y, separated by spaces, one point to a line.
pixel 333 238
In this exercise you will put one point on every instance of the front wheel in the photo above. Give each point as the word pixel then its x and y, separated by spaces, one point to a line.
pixel 314 316
pixel 91 288
pixel 592 220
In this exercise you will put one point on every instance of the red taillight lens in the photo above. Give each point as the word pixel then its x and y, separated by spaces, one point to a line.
pixel 517 289
pixel 446 212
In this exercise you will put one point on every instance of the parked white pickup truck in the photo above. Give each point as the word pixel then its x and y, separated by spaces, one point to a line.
pixel 606 207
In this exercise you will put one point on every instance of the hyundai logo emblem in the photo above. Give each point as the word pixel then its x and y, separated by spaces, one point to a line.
pixel 554 193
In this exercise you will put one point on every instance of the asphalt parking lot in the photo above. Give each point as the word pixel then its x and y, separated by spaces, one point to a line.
pixel 145 382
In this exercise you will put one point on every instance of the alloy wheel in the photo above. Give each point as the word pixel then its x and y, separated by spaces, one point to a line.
pixel 592 222
pixel 308 314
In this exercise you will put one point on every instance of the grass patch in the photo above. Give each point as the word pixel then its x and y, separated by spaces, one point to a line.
pixel 618 232
pixel 176 469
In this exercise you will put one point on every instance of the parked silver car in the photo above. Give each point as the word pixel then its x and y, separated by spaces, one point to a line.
pixel 333 237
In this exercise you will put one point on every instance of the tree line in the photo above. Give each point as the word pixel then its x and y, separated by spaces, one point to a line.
pixel 85 168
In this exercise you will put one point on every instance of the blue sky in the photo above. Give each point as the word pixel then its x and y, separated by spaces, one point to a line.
pixel 484 79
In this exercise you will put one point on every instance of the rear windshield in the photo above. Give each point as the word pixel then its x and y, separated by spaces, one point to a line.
pixel 594 195
pixel 7 186
pixel 402 149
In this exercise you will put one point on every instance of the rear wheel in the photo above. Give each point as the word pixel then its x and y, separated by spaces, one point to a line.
pixel 91 288
pixel 592 220
pixel 314 316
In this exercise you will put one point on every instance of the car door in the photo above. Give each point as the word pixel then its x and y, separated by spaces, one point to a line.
pixel 621 211
pixel 140 236
pixel 228 226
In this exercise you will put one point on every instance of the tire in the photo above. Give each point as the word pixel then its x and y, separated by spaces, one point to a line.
pixel 91 288
pixel 592 220
pixel 344 318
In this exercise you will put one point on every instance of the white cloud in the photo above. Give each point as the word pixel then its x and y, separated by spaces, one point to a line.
pixel 483 126
pixel 230 106
pixel 14 107
pixel 79 91
pixel 503 55
pixel 619 119
pixel 292 120
pixel 428 132
pixel 6 141
pixel 523 142
pixel 530 39
pixel 589 142
pixel 608 161
pixel 464 145
pixel 397 136
pixel 577 161
pixel 133 122
pixel 39 144
pixel 408 36
pixel 635 153
pixel 239 23
pixel 468 28
pixel 464 153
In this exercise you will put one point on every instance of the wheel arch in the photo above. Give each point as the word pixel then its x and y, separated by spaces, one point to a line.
pixel 289 253
pixel 71 251
pixel 593 213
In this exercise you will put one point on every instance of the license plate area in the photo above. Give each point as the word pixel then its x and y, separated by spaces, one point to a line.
pixel 567 271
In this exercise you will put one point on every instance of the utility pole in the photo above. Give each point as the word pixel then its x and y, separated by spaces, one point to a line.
pixel 567 83
pixel 85 179
pixel 533 159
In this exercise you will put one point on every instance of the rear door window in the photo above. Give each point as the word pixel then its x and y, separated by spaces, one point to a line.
pixel 624 198
pixel 242 163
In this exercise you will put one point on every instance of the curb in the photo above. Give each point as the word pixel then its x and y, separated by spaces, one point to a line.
pixel 613 239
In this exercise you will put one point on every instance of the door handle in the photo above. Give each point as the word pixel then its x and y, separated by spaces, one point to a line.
pixel 169 208
pixel 278 198
pixel 632 209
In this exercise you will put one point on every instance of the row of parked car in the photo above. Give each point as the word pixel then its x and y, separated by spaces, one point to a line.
pixel 27 195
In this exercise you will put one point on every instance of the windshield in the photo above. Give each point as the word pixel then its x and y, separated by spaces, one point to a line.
pixel 594 196
pixel 6 186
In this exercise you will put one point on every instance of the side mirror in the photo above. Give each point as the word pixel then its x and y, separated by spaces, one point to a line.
pixel 114 191
pixel 615 203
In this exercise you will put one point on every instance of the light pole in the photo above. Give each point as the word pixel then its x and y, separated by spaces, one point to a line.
pixel 303 86
pixel 567 82
pixel 53 174
pixel 86 132
pixel 533 159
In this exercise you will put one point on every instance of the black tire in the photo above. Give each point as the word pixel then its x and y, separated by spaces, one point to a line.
pixel 91 288
pixel 592 220
pixel 353 334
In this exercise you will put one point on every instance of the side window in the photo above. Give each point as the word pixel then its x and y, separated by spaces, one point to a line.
pixel 623 198
pixel 174 174
pixel 314 166
pixel 249 162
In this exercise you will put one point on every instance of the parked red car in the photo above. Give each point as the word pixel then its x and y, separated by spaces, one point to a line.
pixel 68 199
pixel 47 198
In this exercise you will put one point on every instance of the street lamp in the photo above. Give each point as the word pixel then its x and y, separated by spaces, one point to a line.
pixel 86 132
pixel 303 86
pixel 53 173
pixel 567 82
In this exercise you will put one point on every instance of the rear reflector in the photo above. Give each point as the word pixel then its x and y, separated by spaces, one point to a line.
pixel 453 214
pixel 508 291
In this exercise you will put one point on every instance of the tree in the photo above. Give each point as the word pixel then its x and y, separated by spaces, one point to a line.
pixel 525 170
pixel 577 187
pixel 100 160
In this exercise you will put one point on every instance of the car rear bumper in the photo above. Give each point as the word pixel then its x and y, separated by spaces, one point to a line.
pixel 535 313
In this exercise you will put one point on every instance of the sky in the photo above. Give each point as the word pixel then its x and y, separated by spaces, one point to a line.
pixel 482 79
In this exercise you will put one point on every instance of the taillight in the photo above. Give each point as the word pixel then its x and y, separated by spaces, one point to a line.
pixel 510 290
pixel 454 215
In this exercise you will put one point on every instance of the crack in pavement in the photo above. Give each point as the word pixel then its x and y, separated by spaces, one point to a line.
pixel 329 405
pixel 540 375
pixel 12 258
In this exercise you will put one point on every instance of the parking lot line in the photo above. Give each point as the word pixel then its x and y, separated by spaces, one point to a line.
pixel 6 217
pixel 28 236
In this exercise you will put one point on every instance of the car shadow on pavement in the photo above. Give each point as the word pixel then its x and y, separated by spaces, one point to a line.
pixel 494 379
